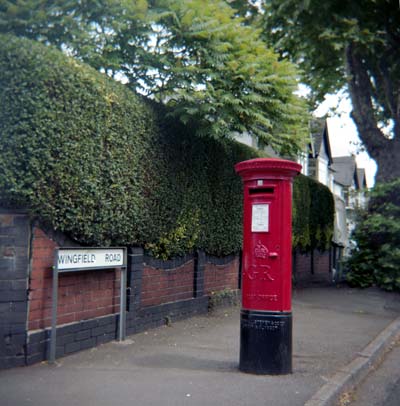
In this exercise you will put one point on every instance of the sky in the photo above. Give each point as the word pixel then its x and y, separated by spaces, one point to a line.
pixel 343 135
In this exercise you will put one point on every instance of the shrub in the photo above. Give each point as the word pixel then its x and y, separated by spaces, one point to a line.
pixel 376 257
pixel 313 215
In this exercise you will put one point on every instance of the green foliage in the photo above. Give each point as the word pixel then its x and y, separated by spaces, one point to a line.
pixel 179 240
pixel 316 34
pixel 322 216
pixel 85 29
pixel 301 213
pixel 92 159
pixel 222 298
pixel 350 45
pixel 71 143
pixel 196 56
pixel 197 199
pixel 313 215
pixel 376 256
pixel 224 78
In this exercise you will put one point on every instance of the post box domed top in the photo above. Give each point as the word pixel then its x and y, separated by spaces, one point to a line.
pixel 270 167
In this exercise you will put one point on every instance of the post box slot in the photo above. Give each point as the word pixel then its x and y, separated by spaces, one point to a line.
pixel 261 190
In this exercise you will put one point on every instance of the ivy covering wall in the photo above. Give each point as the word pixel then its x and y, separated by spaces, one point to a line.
pixel 92 159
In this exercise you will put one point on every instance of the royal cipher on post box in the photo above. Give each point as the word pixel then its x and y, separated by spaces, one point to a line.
pixel 266 317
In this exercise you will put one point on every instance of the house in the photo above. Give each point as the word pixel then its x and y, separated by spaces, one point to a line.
pixel 341 175
pixel 320 164
pixel 321 168
pixel 319 153
pixel 350 182
pixel 352 179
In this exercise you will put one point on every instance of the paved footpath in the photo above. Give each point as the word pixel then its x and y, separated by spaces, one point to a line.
pixel 194 362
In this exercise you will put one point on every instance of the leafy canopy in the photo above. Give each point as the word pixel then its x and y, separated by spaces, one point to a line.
pixel 197 56
pixel 351 44
pixel 316 34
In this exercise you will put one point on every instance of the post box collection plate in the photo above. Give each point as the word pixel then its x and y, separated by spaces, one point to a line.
pixel 260 218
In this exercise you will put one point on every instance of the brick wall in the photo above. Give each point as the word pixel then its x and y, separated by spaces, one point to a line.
pixel 322 264
pixel 88 306
pixel 81 295
pixel 163 285
pixel 14 268
pixel 312 268
pixel 88 301
pixel 158 291
pixel 71 338
pixel 220 274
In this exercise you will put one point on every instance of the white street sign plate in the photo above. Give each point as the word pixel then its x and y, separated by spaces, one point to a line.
pixel 68 259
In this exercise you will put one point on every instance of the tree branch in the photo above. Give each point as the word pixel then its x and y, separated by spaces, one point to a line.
pixel 361 91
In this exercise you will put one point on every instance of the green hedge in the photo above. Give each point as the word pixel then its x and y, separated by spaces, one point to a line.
pixel 92 159
pixel 197 199
pixel 71 144
pixel 313 215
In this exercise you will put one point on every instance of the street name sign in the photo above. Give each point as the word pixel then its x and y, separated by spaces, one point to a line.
pixel 77 259
pixel 86 259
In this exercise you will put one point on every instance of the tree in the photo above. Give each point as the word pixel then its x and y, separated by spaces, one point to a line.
pixel 350 44
pixel 376 257
pixel 196 56
pixel 86 29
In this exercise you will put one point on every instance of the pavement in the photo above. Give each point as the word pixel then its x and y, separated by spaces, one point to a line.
pixel 339 334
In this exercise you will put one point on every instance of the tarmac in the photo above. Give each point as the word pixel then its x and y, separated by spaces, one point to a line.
pixel 382 385
pixel 338 335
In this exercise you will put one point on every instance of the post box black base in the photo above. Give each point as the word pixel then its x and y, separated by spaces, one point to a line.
pixel 266 342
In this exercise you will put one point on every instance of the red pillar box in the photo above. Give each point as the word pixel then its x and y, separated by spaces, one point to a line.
pixel 266 318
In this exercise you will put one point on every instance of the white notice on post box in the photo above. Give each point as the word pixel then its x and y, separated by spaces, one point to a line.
pixel 260 218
